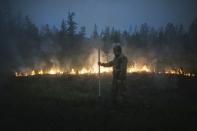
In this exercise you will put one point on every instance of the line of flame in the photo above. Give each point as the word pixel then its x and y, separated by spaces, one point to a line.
pixel 132 69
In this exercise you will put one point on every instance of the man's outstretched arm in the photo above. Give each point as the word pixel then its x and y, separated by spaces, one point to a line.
pixel 108 64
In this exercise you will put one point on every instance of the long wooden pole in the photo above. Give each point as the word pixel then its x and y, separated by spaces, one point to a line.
pixel 99 73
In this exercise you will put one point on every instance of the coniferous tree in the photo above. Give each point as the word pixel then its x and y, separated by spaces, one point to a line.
pixel 72 25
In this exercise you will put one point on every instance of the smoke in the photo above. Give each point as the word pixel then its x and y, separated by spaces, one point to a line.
pixel 25 47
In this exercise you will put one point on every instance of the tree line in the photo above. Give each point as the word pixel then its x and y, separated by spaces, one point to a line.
pixel 23 44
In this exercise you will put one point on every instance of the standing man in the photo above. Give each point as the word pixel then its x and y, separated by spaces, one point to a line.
pixel 119 64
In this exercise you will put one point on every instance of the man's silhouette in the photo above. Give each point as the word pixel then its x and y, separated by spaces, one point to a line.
pixel 119 64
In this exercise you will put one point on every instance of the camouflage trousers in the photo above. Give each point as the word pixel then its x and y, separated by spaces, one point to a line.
pixel 118 90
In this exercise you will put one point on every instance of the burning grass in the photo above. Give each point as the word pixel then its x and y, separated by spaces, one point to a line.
pixel 94 70
pixel 89 66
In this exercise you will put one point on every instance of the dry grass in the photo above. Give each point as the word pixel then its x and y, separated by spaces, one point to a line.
pixel 156 102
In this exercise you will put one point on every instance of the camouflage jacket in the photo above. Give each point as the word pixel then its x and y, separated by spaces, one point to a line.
pixel 119 65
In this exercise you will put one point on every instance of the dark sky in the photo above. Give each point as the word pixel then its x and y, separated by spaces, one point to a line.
pixel 118 13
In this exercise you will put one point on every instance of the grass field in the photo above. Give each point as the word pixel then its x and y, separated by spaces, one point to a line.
pixel 154 102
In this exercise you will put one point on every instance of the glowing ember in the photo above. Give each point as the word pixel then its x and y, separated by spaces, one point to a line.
pixel 178 72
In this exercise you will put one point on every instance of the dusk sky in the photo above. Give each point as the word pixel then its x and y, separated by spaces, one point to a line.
pixel 118 13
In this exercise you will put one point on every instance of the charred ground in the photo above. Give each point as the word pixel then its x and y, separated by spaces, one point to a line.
pixel 157 102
